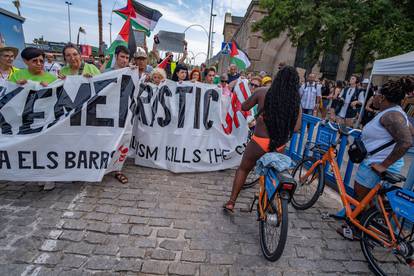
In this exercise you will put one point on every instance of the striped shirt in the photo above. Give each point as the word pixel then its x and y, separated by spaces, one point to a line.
pixel 308 95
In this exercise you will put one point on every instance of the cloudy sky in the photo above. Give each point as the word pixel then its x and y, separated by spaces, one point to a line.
pixel 50 19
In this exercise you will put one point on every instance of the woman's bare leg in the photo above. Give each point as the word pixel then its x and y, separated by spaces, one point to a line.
pixel 252 153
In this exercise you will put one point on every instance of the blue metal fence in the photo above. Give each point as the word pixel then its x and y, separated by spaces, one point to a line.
pixel 324 136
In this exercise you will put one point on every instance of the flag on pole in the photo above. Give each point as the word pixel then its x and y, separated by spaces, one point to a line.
pixel 164 63
pixel 143 18
pixel 125 38
pixel 238 57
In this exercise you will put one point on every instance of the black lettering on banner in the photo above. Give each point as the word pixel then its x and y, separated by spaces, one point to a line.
pixel 100 85
pixel 209 155
pixel 218 155
pixel 141 148
pixel 154 110
pixel 127 92
pixel 240 150
pixel 167 153
pixel 51 156
pixel 183 159
pixel 35 164
pixel 164 91
pixel 197 157
pixel 93 157
pixel 4 126
pixel 181 91
pixel 151 154
pixel 91 119
pixel 104 159
pixel 29 115
pixel 143 100
pixel 197 108
pixel 63 104
pixel 225 156
pixel 82 160
pixel 69 160
pixel 22 159
pixel 210 94
pixel 84 94
pixel 4 159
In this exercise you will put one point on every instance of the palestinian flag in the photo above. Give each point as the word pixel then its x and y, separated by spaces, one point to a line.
pixel 125 38
pixel 143 18
pixel 238 57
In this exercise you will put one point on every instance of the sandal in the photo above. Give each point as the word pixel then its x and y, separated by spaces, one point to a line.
pixel 121 177
pixel 229 206
pixel 349 232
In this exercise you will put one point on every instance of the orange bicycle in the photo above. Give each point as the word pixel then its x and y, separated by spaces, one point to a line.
pixel 387 226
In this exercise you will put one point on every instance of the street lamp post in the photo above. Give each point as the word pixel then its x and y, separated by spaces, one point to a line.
pixel 70 31
pixel 209 31
pixel 110 23
pixel 212 37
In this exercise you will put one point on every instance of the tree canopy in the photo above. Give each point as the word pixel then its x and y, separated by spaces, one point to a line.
pixel 374 28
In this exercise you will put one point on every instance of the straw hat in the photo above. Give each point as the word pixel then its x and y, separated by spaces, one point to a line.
pixel 4 48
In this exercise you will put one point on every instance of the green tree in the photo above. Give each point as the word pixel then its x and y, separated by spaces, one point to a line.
pixel 374 28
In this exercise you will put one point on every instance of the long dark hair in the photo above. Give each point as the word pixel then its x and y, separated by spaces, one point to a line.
pixel 281 108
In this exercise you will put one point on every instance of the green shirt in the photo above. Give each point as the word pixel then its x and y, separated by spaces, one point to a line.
pixel 87 69
pixel 24 74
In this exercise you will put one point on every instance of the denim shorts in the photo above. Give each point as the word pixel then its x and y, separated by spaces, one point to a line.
pixel 368 178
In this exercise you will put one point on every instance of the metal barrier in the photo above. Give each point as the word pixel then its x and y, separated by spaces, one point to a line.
pixel 324 136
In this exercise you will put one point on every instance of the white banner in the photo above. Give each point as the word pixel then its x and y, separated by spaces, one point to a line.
pixel 78 129
pixel 188 127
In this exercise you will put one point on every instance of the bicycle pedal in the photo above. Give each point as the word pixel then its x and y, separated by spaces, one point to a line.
pixel 347 232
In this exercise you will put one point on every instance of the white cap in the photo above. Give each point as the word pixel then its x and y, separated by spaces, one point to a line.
pixel 140 53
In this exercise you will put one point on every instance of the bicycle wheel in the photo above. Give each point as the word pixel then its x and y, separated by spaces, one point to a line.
pixel 308 190
pixel 273 231
pixel 251 179
pixel 382 260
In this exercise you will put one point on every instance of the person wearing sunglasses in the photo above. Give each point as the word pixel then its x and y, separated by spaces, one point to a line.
pixel 34 59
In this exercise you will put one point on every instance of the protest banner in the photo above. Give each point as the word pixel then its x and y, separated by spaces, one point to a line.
pixel 171 41
pixel 78 129
pixel 189 127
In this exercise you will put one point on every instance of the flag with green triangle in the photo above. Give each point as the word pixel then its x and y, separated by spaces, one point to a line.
pixel 143 18
pixel 238 57
pixel 125 38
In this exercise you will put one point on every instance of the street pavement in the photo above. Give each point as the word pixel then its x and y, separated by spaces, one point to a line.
pixel 160 223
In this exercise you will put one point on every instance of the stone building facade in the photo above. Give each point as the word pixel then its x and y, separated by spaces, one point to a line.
pixel 265 56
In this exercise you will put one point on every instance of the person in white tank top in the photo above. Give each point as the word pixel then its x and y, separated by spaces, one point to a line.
pixel 391 123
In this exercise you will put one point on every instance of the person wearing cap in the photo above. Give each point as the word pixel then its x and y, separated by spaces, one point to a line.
pixel 75 65
pixel 266 81
pixel 7 56
pixel 34 58
pixel 141 61
pixel 51 66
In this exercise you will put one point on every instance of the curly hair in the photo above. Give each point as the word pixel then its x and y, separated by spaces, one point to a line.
pixel 395 91
pixel 281 107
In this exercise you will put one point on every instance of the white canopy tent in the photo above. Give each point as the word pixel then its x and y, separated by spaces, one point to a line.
pixel 394 66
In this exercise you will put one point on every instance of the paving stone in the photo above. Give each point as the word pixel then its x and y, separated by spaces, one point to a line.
pixel 98 226
pixel 110 249
pixel 138 220
pixel 182 269
pixel 48 258
pixel 80 248
pixel 96 216
pixel 119 229
pixel 145 242
pixel 74 224
pixel 213 270
pixel 160 222
pixel 164 255
pixel 128 264
pixel 356 267
pixel 167 233
pixel 70 235
pixel 73 261
pixel 154 267
pixel 172 245
pixel 221 259
pixel 196 256
pixel 132 252
pixel 330 266
pixel 141 230
pixel 108 209
pixel 101 263
pixel 117 218
pixel 98 238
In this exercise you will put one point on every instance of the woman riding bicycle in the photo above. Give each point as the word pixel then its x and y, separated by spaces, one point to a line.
pixel 391 123
pixel 279 115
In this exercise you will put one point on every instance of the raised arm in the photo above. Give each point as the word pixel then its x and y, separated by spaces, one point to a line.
pixel 185 53
pixel 250 102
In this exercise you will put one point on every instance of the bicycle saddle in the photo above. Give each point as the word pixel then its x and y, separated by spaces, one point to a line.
pixel 286 178
pixel 392 177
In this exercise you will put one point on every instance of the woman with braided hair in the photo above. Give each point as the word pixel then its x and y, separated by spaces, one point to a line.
pixel 279 115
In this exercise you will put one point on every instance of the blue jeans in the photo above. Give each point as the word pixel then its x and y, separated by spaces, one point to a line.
pixel 409 183
pixel 366 177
